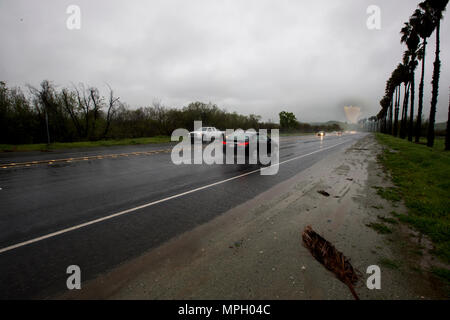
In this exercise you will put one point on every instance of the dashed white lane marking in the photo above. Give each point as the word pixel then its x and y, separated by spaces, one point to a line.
pixel 79 226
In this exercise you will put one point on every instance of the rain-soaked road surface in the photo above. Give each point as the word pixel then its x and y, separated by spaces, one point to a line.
pixel 101 207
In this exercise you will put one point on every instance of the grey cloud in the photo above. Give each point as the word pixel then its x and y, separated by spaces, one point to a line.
pixel 247 56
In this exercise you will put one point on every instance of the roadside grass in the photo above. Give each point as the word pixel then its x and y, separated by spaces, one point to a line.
pixel 391 194
pixel 82 144
pixel 388 220
pixel 395 214
pixel 422 179
pixel 379 228
pixel 442 273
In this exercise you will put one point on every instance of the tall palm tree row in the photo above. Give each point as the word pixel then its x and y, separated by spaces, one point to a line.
pixel 411 38
pixel 406 79
pixel 415 34
pixel 387 104
pixel 435 8
pixel 422 22
pixel 391 101
pixel 398 76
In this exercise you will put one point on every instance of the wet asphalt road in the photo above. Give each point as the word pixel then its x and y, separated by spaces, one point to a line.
pixel 40 199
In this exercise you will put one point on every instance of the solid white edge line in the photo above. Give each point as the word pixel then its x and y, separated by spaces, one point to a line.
pixel 54 234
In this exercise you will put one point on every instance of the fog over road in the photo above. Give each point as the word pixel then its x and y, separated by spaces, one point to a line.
pixel 41 199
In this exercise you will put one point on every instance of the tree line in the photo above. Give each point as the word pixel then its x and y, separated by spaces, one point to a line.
pixel 81 113
pixel 393 117
pixel 289 123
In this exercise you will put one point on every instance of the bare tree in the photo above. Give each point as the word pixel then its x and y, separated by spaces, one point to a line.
pixel 69 105
pixel 97 102
pixel 45 98
pixel 111 110
pixel 160 115
pixel 84 103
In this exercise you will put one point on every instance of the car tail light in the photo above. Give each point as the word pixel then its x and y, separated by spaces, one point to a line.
pixel 243 144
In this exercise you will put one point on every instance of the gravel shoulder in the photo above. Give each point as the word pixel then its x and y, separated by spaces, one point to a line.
pixel 254 251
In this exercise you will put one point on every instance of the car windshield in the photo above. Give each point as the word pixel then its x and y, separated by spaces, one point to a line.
pixel 240 136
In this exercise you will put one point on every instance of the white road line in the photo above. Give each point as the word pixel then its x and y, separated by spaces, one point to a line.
pixel 54 234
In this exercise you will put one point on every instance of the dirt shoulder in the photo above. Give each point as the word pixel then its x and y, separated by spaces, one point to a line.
pixel 254 251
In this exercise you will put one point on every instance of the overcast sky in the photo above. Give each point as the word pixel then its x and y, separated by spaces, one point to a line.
pixel 308 57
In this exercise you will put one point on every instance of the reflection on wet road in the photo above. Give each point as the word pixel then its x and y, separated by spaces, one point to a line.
pixel 41 200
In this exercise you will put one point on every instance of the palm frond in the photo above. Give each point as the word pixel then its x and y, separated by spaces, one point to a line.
pixel 331 258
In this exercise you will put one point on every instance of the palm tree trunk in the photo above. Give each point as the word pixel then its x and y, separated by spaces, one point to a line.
pixel 390 113
pixel 411 114
pixel 420 108
pixel 404 112
pixel 435 91
pixel 397 111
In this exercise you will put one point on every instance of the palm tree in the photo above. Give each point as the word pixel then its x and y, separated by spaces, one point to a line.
pixel 411 38
pixel 381 116
pixel 393 93
pixel 423 24
pixel 397 77
pixel 435 9
pixel 406 79
pixel 395 107
pixel 387 102
pixel 397 111
pixel 391 106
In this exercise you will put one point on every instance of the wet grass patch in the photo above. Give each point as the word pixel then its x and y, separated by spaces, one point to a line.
pixel 388 220
pixel 379 228
pixel 390 193
pixel 442 273
pixel 421 176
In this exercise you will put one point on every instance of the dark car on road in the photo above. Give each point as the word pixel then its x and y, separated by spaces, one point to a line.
pixel 245 144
